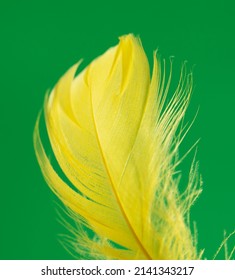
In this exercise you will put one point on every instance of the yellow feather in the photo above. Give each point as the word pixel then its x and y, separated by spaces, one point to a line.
pixel 114 137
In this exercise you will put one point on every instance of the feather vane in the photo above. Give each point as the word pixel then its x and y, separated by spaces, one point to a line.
pixel 115 139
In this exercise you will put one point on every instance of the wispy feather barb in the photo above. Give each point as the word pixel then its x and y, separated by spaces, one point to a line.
pixel 115 139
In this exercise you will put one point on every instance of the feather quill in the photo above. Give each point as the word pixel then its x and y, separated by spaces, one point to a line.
pixel 115 138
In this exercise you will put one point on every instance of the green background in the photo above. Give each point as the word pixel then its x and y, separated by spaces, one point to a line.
pixel 40 40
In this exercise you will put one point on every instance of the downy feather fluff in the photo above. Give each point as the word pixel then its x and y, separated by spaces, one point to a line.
pixel 116 140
